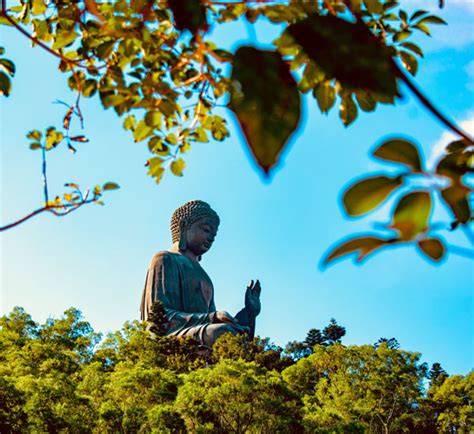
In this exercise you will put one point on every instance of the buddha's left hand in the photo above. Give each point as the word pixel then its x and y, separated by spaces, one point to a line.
pixel 252 297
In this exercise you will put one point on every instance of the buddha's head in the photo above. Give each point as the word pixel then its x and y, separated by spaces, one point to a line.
pixel 194 226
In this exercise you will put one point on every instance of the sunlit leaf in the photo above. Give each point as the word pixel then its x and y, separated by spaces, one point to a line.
pixel 409 61
pixel 432 19
pixel 366 195
pixel 64 38
pixel 433 248
pixel 8 66
pixel 266 102
pixel 325 95
pixel 413 47
pixel 177 167
pixel 348 52
pixel 5 84
pixel 110 186
pixel 412 214
pixel 347 110
pixel 142 131
pixel 456 198
pixel 34 135
pixel 363 246
pixel 400 151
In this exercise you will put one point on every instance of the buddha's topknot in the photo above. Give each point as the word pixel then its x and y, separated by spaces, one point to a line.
pixel 190 213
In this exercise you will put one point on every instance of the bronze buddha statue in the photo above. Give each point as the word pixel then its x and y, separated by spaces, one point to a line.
pixel 177 280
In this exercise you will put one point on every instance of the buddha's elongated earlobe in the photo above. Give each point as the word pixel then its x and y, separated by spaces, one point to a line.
pixel 182 238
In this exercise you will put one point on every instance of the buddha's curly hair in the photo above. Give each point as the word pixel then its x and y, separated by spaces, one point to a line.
pixel 190 213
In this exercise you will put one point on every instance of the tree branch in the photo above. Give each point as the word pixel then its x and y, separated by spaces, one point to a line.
pixel 430 107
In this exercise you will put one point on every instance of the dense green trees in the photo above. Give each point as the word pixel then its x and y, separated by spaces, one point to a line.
pixel 62 377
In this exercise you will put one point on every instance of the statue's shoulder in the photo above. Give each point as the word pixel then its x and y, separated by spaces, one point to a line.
pixel 163 258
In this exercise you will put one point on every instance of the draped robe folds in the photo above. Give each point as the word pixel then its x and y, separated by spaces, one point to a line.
pixel 187 295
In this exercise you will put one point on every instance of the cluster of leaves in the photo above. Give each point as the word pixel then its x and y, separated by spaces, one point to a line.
pixel 74 198
pixel 151 58
pixel 417 187
pixel 62 376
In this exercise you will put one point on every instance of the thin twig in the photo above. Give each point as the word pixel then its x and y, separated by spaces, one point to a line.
pixel 431 108
pixel 24 219
pixel 45 179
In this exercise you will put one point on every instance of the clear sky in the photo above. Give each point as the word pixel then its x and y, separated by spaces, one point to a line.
pixel 96 258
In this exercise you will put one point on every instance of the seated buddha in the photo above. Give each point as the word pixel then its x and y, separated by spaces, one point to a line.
pixel 177 280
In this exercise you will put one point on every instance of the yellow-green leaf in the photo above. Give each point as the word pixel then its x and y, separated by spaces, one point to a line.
pixel 366 195
pixel 412 214
pixel 177 167
pixel 400 151
pixel 363 246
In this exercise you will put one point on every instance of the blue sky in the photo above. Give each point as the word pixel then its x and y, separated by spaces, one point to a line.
pixel 277 231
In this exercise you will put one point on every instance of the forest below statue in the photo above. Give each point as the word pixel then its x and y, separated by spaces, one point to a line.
pixel 61 376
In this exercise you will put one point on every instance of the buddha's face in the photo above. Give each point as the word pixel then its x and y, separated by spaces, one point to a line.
pixel 200 236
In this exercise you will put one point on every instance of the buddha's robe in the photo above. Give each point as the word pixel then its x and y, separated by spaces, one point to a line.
pixel 187 294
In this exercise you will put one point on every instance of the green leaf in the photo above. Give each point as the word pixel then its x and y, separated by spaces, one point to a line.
pixel 177 167
pixel 189 15
pixel 64 38
pixel 412 47
pixel 155 168
pixel 129 122
pixel 110 186
pixel 5 84
pixel 409 61
pixel 347 110
pixel 432 19
pixel 325 94
pixel 348 52
pixel 456 197
pixel 153 119
pixel 365 101
pixel 457 145
pixel 39 7
pixel 8 65
pixel 454 165
pixel 401 36
pixel 418 14
pixel 400 151
pixel 89 88
pixel 105 49
pixel 366 195
pixel 433 248
pixel 363 246
pixel 34 135
pixel 53 138
pixel 411 215
pixel 200 135
pixel 171 139
pixel 374 6
pixel 142 131
pixel 424 28
pixel 266 102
